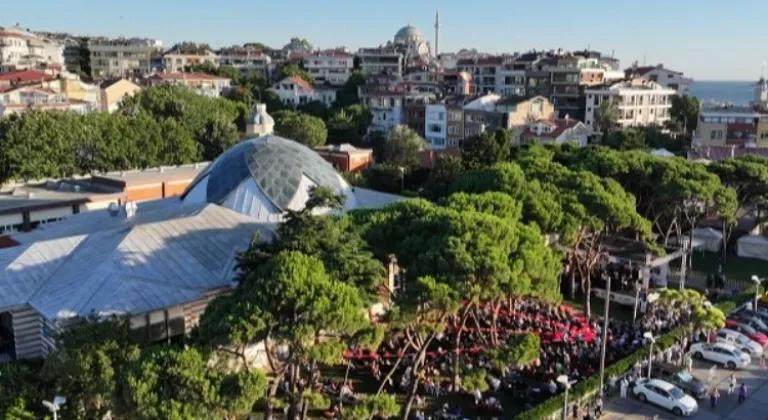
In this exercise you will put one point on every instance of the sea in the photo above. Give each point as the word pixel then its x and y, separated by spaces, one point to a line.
pixel 734 92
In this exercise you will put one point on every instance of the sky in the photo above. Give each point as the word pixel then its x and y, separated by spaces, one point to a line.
pixel 705 39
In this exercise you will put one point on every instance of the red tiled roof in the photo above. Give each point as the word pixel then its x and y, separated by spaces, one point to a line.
pixel 10 34
pixel 428 158
pixel 717 153
pixel 298 81
pixel 25 76
pixel 186 76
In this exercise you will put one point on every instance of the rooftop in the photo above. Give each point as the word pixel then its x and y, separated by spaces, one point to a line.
pixel 186 76
pixel 26 76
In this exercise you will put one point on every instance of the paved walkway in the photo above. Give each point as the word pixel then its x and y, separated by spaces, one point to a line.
pixel 754 408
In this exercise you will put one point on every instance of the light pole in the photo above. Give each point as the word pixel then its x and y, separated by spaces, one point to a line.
pixel 566 382
pixel 605 334
pixel 757 281
pixel 638 288
pixel 402 179
pixel 54 406
pixel 651 339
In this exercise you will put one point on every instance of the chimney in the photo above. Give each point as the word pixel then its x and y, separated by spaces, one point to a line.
pixel 130 210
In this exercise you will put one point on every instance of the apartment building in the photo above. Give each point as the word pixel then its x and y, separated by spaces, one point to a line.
pixel 386 60
pixel 113 92
pixel 738 126
pixel 486 72
pixel 663 76
pixel 122 57
pixel 203 84
pixel 332 67
pixel 511 80
pixel 245 59
pixel 556 132
pixel 295 91
pixel 393 104
pixel 22 50
pixel 640 102
pixel 457 83
pixel 185 55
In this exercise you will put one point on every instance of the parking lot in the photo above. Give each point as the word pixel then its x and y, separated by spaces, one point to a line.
pixel 754 408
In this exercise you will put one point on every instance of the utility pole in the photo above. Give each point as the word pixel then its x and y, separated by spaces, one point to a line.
pixel 605 335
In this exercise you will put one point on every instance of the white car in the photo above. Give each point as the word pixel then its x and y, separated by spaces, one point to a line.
pixel 665 395
pixel 724 354
pixel 739 341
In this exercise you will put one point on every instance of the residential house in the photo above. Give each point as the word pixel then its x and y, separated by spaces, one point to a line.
pixel 436 126
pixel 388 104
pixel 742 126
pixel 22 50
pixel 556 132
pixel 20 99
pixel 345 157
pixel 122 57
pixel 457 83
pixel 113 92
pixel 524 110
pixel 296 91
pixel 486 72
pixel 245 59
pixel 664 77
pixel 640 102
pixel 75 89
pixel 185 55
pixel 27 77
pixel 332 67
pixel 203 84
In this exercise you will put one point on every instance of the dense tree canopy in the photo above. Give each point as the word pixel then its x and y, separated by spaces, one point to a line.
pixel 748 177
pixel 402 147
pixel 303 128
pixel 685 111
pixel 487 149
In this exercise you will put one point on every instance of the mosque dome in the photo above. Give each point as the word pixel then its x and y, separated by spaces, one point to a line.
pixel 408 34
pixel 264 177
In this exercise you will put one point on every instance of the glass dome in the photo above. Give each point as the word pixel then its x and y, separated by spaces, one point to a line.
pixel 265 176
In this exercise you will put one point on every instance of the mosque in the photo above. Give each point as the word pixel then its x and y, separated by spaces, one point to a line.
pixel 159 262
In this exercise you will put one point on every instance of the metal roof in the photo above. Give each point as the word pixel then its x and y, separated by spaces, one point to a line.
pixel 130 267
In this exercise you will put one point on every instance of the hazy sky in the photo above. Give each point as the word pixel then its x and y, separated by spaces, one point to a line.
pixel 706 39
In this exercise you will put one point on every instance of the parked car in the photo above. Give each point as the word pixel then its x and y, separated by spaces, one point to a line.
pixel 724 354
pixel 740 341
pixel 681 378
pixel 665 395
pixel 745 329
pixel 753 322
pixel 761 315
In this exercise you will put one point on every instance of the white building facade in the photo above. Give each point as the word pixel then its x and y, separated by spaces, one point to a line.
pixel 121 57
pixel 179 60
pixel 203 84
pixel 333 67
pixel 664 77
pixel 386 60
pixel 295 91
pixel 640 102
pixel 21 50
pixel 246 59
pixel 436 126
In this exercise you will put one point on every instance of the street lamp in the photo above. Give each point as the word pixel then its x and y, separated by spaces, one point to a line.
pixel 651 339
pixel 566 382
pixel 757 281
pixel 402 179
pixel 54 406
pixel 605 334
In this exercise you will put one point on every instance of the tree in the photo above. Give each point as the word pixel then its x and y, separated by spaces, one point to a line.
pixel 172 383
pixel 446 170
pixel 373 406
pixel 240 94
pixel 314 108
pixel 217 136
pixel 348 94
pixel 487 149
pixel 349 125
pixel 402 147
pixel 18 411
pixel 289 69
pixel 305 129
pixel 625 139
pixel 86 365
pixel 685 110
pixel 748 177
pixel 607 116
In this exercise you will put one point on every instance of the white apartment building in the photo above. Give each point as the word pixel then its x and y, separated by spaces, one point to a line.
pixel 333 67
pixel 385 103
pixel 664 77
pixel 16 100
pixel 246 59
pixel 296 91
pixel 122 57
pixel 180 57
pixel 640 102
pixel 21 50
pixel 386 60
pixel 203 84
pixel 436 126
pixel 485 71
pixel 511 78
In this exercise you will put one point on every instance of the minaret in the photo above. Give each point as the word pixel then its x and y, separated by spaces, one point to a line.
pixel 437 33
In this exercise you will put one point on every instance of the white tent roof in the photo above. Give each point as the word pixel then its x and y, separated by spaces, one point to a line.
pixel 754 239
pixel 662 153
pixel 707 232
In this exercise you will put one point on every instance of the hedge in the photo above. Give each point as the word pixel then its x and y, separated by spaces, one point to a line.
pixel 589 387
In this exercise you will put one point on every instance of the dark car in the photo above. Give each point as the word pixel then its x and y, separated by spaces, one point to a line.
pixel 681 378
pixel 761 315
pixel 752 321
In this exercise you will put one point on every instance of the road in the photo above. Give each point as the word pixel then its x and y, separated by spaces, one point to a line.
pixel 754 408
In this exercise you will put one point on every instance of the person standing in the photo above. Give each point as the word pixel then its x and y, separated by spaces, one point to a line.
pixel 623 387
pixel 731 384
pixel 762 360
pixel 742 393
pixel 714 395
pixel 599 407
